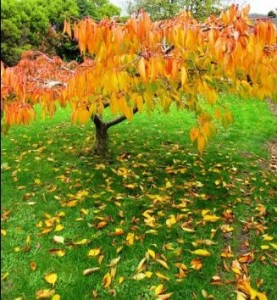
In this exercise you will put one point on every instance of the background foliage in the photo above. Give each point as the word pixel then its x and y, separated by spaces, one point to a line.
pixel 36 24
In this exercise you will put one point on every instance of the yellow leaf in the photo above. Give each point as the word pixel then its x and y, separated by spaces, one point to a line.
pixel 184 76
pixel 4 276
pixel 82 242
pixel 58 239
pixel 84 211
pixel 139 276
pixel 201 252
pixel 161 276
pixel 120 279
pixel 171 221
pixel 94 252
pixel 107 280
pixel 141 68
pixel 163 263
pixel 3 232
pixel 51 278
pixel 148 274
pixel 201 143
pixel 151 253
pixel 264 247
pixel 140 266
pixel 211 218
pixel 164 296
pixel 56 297
pixel 72 203
pixel 114 262
pixel 267 237
pixel 44 294
pixel 90 270
pixel 130 239
pixel 159 289
pixel 274 246
pixel 58 252
pixel 59 227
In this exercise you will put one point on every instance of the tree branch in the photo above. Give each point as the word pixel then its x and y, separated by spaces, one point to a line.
pixel 119 119
pixel 97 121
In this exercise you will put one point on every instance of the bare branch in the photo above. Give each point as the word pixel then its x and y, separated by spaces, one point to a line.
pixel 119 119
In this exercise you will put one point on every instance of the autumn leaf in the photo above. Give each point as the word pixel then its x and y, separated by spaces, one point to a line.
pixel 51 278
pixel 82 242
pixel 163 263
pixel 57 252
pixel 33 266
pixel 162 276
pixel 130 239
pixel 59 227
pixel 44 294
pixel 139 276
pixel 107 280
pixel 201 252
pixel 94 252
pixel 114 262
pixel 151 253
pixel 58 239
pixel 211 218
pixel 90 271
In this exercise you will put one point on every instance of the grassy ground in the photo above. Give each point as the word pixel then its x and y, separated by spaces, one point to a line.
pixel 153 193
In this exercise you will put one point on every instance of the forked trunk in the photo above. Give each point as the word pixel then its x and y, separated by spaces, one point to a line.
pixel 101 144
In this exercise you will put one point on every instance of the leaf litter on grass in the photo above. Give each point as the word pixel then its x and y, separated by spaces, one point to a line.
pixel 147 223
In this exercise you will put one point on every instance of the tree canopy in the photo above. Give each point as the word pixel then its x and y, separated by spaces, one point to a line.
pixel 141 64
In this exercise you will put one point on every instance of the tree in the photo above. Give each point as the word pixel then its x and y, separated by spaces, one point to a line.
pixel 97 10
pixel 141 65
pixel 272 14
pixel 162 9
pixel 35 24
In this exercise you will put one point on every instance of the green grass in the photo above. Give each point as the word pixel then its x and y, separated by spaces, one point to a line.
pixel 46 164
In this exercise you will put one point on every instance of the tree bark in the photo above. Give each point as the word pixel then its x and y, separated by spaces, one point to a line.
pixel 101 144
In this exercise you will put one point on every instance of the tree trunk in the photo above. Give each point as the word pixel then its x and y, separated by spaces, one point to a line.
pixel 101 144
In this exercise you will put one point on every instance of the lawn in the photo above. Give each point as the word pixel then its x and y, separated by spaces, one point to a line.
pixel 153 218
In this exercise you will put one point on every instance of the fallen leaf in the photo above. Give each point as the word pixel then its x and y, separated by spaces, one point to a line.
pixel 59 227
pixel 151 253
pixel 4 276
pixel 107 280
pixel 91 270
pixel 211 218
pixel 114 262
pixel 201 252
pixel 82 242
pixel 94 252
pixel 159 289
pixel 164 296
pixel 139 276
pixel 51 278
pixel 130 239
pixel 44 294
pixel 161 276
pixel 57 252
pixel 33 266
pixel 163 263
pixel 58 239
